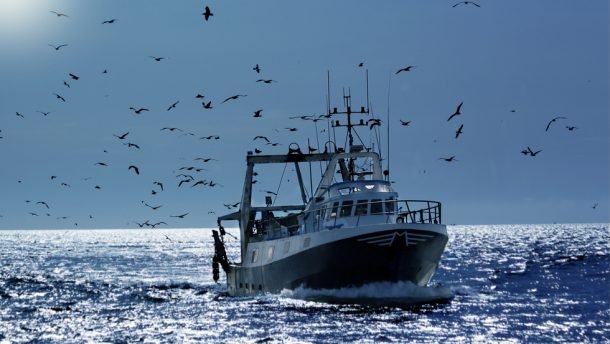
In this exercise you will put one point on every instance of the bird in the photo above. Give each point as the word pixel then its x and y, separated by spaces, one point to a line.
pixel 374 122
pixel 129 144
pixel 207 105
pixel 457 112
pixel 59 97
pixel 532 153
pixel 199 96
pixel 405 69
pixel 172 129
pixel 160 185
pixel 450 159
pixel 179 216
pixel 257 113
pixel 184 181
pixel 257 151
pixel 211 137
pixel 207 13
pixel 311 149
pixel 121 137
pixel 266 81
pixel 18 114
pixel 262 138
pixel 206 159
pixel 101 164
pixel 138 111
pixel 57 47
pixel 173 106
pixel 44 113
pixel 66 84
pixel 525 152
pixel 234 97
pixel 200 182
pixel 257 68
pixel 459 131
pixel 134 168
pixel 466 3
pixel 43 203
pixel 110 21
pixel 231 206
pixel 153 225
pixel 291 129
pixel 60 14
pixel 405 123
pixel 594 206
pixel 269 192
pixel 361 64
pixel 158 59
pixel 151 207
pixel 570 128
pixel 73 77
pixel 553 120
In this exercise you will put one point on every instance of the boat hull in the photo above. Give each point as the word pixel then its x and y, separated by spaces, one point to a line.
pixel 389 255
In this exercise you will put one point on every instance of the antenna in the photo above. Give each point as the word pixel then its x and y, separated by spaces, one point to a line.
pixel 388 126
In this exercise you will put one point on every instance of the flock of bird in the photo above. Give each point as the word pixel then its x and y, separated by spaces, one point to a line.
pixel 188 175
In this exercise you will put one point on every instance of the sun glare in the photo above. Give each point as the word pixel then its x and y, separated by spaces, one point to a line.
pixel 21 19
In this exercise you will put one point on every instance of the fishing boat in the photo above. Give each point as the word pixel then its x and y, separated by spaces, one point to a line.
pixel 351 230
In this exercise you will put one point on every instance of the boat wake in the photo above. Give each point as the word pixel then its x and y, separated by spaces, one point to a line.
pixel 401 294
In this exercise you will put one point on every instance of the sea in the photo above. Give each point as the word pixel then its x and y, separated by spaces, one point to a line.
pixel 496 284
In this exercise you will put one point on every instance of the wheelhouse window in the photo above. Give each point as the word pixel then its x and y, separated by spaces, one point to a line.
pixel 361 207
pixel 390 206
pixel 346 208
pixel 376 207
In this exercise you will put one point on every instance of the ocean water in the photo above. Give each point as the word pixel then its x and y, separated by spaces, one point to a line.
pixel 504 283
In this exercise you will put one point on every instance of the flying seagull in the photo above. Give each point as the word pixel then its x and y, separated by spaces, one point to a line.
pixel 44 113
pixel 74 77
pixel 138 111
pixel 59 97
pixel 257 113
pixel 553 120
pixel 160 185
pixel 405 123
pixel 570 128
pixel 158 59
pixel 406 69
pixel 207 13
pixel 262 138
pixel 173 106
pixel 207 105
pixel 457 112
pixel 532 153
pixel 110 21
pixel 233 97
pixel 466 3
pixel 57 47
pixel 257 68
pixel 266 81
pixel 60 14
pixel 121 137
pixel 459 131
pixel 134 168
pixel 450 159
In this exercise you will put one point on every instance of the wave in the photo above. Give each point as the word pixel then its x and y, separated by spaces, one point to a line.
pixel 376 294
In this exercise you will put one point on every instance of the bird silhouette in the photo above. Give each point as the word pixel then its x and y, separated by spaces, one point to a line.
pixel 257 151
pixel 211 137
pixel 18 114
pixel 154 225
pixel 152 207
pixel 73 77
pixel 44 113
pixel 66 84
pixel 449 159
pixel 200 182
pixel 101 164
pixel 206 159
pixel 179 216
pixel 231 206
pixel 207 13
pixel 57 47
pixel 262 138
pixel 234 97
pixel 59 97
pixel 457 112
pixel 266 81
pixel 553 120
pixel 110 21
pixel 459 131
pixel 257 68
pixel 257 113
pixel 199 96
pixel 173 106
pixel 466 3
pixel 405 123
pixel 172 129
pixel 158 59
pixel 570 128
pixel 43 203
pixel 595 206
pixel 291 129
pixel 60 14
pixel 207 105
pixel 138 111
pixel 130 145
pixel 532 153
pixel 405 69
pixel 269 192
pixel 361 64
pixel 121 137
pixel 373 122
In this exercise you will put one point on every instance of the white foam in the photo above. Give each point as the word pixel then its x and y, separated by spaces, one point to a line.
pixel 378 293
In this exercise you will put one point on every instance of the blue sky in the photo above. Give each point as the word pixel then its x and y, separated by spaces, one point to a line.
pixel 515 65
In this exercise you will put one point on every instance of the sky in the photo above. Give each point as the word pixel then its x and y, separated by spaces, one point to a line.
pixel 514 65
